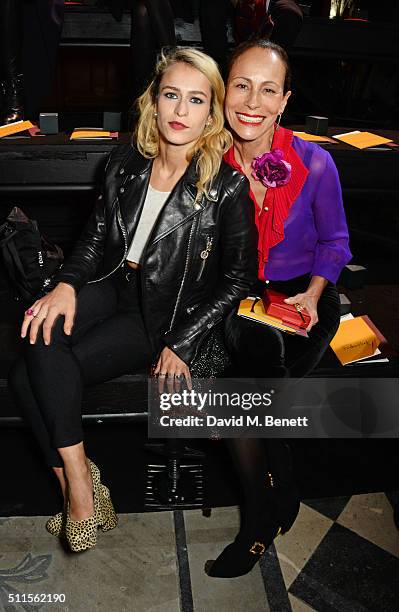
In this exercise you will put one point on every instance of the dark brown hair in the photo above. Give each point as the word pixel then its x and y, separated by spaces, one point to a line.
pixel 261 43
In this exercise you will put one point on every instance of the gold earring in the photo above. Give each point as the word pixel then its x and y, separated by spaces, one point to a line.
pixel 155 114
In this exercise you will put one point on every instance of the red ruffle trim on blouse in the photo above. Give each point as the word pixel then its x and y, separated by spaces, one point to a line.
pixel 278 200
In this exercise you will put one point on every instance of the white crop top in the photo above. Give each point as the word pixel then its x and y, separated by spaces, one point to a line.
pixel 153 205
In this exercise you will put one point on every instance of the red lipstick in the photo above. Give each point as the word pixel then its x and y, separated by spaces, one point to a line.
pixel 252 119
pixel 176 125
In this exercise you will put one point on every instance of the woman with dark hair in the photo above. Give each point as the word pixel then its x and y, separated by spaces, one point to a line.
pixel 138 290
pixel 302 248
pixel 303 235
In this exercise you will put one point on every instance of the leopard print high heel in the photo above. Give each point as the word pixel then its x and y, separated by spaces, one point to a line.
pixel 106 518
pixel 82 535
pixel 56 524
pixel 109 515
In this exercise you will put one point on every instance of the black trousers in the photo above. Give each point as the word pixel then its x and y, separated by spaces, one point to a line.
pixel 108 340
pixel 264 352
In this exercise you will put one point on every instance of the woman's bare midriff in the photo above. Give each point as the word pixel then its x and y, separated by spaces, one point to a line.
pixel 133 265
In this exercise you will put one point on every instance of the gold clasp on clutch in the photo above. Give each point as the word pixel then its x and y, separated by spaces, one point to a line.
pixel 299 308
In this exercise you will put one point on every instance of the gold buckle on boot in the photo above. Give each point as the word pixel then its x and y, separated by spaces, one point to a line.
pixel 257 548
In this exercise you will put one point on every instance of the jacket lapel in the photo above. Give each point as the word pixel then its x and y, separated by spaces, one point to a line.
pixel 135 172
pixel 133 176
pixel 179 208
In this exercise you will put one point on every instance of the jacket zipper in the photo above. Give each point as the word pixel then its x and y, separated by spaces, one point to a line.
pixel 204 337
pixel 204 256
pixel 124 233
pixel 183 279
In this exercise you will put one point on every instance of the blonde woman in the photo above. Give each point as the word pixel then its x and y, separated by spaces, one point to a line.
pixel 168 252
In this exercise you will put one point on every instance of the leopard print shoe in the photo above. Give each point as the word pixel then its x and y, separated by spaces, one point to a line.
pixel 110 519
pixel 56 525
pixel 82 535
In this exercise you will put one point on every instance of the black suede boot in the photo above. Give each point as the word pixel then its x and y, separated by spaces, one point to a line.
pixel 283 482
pixel 10 61
pixel 260 521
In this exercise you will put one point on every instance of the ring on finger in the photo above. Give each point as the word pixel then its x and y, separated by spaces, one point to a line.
pixel 162 374
pixel 30 312
pixel 178 376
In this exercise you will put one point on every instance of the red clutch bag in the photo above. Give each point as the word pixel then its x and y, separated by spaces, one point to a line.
pixel 294 315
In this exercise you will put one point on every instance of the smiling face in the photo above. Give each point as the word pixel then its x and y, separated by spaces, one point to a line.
pixel 183 105
pixel 255 94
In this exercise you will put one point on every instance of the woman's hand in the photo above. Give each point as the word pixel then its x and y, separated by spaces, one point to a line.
pixel 309 301
pixel 172 369
pixel 310 298
pixel 60 301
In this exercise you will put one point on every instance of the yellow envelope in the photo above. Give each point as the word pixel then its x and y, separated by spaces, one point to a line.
pixel 362 140
pixel 90 134
pixel 312 137
pixel 354 340
pixel 15 128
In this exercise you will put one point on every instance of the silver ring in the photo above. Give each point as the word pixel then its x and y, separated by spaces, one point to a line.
pixel 178 376
pixel 162 374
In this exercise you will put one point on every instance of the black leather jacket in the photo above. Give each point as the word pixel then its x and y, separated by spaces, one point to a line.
pixel 184 294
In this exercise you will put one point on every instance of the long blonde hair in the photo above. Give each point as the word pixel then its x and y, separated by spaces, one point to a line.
pixel 215 139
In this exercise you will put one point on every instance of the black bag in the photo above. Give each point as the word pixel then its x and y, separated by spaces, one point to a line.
pixel 30 259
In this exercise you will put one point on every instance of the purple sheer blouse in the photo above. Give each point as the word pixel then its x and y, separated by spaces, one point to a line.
pixel 316 238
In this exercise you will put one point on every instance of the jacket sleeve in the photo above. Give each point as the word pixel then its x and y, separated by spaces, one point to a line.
pixel 87 254
pixel 237 275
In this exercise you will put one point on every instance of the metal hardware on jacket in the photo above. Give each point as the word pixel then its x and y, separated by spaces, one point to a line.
pixel 181 298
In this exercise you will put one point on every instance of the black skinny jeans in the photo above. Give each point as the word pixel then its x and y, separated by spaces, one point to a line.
pixel 108 340
pixel 264 352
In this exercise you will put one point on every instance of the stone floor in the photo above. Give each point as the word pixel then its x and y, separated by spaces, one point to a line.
pixel 341 554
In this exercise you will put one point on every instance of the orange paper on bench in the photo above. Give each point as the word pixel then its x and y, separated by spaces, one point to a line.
pixel 362 140
pixel 355 339
pixel 76 134
pixel 15 128
pixel 313 137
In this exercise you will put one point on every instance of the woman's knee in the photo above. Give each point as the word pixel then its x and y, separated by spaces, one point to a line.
pixel 257 350
pixel 329 315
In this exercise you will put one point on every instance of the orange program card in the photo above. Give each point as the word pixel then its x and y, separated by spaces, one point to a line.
pixel 15 128
pixel 356 339
pixel 88 133
pixel 362 140
pixel 313 137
